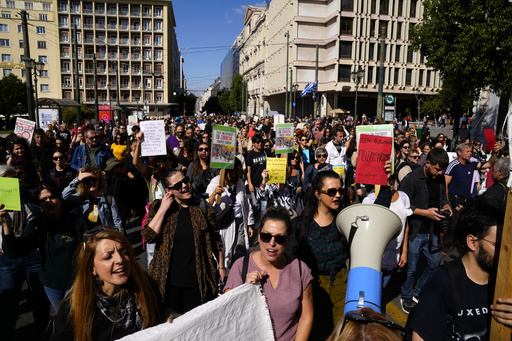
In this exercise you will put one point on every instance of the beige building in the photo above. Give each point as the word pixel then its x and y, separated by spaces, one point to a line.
pixel 134 43
pixel 347 34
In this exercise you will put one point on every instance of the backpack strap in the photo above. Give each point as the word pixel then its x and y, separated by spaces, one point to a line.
pixel 456 278
pixel 245 266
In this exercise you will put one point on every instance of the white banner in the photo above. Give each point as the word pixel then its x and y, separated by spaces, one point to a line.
pixel 154 138
pixel 241 314
pixel 47 116
pixel 24 128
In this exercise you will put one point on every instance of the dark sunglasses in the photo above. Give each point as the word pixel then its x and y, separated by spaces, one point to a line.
pixel 89 180
pixel 177 186
pixel 55 158
pixel 332 191
pixel 405 147
pixel 321 156
pixel 279 238
pixel 414 157
pixel 364 319
pixel 202 149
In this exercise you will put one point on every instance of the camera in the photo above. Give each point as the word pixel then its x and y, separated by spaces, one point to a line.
pixel 445 223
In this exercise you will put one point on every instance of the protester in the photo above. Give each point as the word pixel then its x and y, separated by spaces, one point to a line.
pixel 119 147
pixel 20 153
pixel 62 174
pixel 286 281
pixel 199 171
pixel 91 154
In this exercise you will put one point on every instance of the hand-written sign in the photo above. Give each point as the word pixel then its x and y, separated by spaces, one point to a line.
pixel 223 147
pixel 284 138
pixel 373 152
pixel 10 193
pixel 24 128
pixel 276 170
pixel 154 138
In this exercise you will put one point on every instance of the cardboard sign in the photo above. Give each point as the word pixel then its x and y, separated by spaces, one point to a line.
pixel 276 170
pixel 10 193
pixel 154 138
pixel 339 169
pixel 47 116
pixel 379 130
pixel 133 120
pixel 284 138
pixel 490 140
pixel 25 128
pixel 223 147
pixel 373 152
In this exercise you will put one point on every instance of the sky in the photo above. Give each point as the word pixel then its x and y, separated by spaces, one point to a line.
pixel 206 29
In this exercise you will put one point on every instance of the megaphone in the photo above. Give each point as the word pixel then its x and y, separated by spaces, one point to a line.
pixel 368 229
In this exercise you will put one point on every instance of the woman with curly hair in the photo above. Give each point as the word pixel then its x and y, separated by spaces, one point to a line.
pixel 111 296
pixel 89 189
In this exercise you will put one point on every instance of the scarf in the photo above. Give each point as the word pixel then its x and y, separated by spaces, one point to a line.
pixel 125 314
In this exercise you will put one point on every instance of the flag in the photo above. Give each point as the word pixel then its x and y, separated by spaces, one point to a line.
pixel 311 87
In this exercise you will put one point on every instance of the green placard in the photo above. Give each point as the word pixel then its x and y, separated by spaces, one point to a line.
pixel 381 130
pixel 223 149
pixel 284 138
pixel 10 193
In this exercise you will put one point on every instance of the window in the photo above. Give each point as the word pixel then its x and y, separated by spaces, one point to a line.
pixel 420 79
pixel 159 83
pixel 373 7
pixel 373 23
pixel 347 5
pixel 384 6
pixel 5 43
pixel 43 17
pixel 371 51
pixel 76 21
pixel 7 72
pixel 397 54
pixel 4 28
pixel 43 74
pixel 370 74
pixel 346 49
pixel 409 55
pixel 408 76
pixel 6 14
pixel 158 26
pixel 344 73
pixel 45 88
pixel 158 11
pixel 413 8
pixel 20 29
pixel 47 7
pixel 10 4
pixel 29 5
pixel 23 73
pixel 346 26
pixel 6 58
pixel 20 43
pixel 396 80
pixel 43 59
pixel 428 78
pixel 158 55
pixel 41 29
pixel 75 8
pixel 400 7
pixel 399 30
pixel 41 44
pixel 158 40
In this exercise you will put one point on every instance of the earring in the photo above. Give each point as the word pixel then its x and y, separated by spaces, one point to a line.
pixel 99 282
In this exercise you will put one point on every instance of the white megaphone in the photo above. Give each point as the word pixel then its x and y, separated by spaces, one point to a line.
pixel 368 229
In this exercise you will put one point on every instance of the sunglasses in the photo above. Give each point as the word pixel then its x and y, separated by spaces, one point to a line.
pixel 414 157
pixel 332 191
pixel 89 180
pixel 268 146
pixel 202 149
pixel 365 319
pixel 51 197
pixel 405 147
pixel 279 238
pixel 321 156
pixel 179 185
pixel 56 158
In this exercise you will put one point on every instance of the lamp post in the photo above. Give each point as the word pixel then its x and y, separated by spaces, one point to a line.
pixel 357 76
pixel 109 87
pixel 419 93
pixel 31 64
pixel 294 104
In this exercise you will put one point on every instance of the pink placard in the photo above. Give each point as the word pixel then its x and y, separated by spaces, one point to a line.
pixel 373 152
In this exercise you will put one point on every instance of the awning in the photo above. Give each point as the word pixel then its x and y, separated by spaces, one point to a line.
pixel 57 102
pixel 340 111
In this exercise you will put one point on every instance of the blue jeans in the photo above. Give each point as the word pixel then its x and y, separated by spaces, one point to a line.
pixel 55 296
pixel 12 274
pixel 420 244
pixel 257 208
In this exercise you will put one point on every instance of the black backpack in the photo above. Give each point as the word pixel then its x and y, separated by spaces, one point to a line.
pixel 455 276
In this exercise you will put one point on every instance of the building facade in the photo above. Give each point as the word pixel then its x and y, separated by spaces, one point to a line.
pixel 230 65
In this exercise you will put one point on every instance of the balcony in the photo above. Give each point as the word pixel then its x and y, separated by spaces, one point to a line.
pixel 158 14
pixel 146 42
pixel 64 40
pixel 102 86
pixel 125 27
pixel 66 85
pixel 63 9
pixel 112 27
pixel 65 70
pixel 158 72
pixel 148 72
pixel 136 42
pixel 100 26
pixel 88 11
pixel 135 27
pixel 158 43
pixel 146 28
pixel 65 55
pixel 112 41
pixel 135 14
pixel 134 57
pixel 123 13
pixel 101 71
pixel 89 56
pixel 90 99
pixel 125 72
pixel 89 86
pixel 147 57
pixel 158 29
pixel 136 86
pixel 124 57
pixel 63 25
pixel 112 71
pixel 124 86
pixel 101 56
pixel 89 41
pixel 88 26
pixel 147 14
pixel 89 70
pixel 75 10
pixel 157 57
pixel 100 12
pixel 112 11
pixel 123 41
pixel 136 72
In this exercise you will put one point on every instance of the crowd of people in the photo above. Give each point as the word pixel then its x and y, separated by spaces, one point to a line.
pixel 80 187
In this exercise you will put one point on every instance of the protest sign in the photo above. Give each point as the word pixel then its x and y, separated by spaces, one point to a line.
pixel 105 112
pixel 10 193
pixel 284 138
pixel 154 138
pixel 133 120
pixel 339 169
pixel 276 170
pixel 490 140
pixel 373 152
pixel 240 314
pixel 380 130
pixel 47 116
pixel 301 125
pixel 24 128
pixel 223 147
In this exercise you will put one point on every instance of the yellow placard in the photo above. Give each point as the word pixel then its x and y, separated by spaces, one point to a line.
pixel 276 170
pixel 339 169
pixel 10 193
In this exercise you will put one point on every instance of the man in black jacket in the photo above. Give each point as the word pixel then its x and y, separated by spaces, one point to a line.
pixel 497 193
pixel 426 189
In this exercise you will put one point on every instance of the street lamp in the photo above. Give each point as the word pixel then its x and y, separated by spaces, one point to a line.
pixel 31 64
pixel 109 87
pixel 357 76
pixel 419 93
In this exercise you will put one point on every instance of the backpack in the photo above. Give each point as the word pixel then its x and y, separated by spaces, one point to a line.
pixel 455 277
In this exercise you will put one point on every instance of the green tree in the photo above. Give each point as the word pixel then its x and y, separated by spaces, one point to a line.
pixel 69 113
pixel 212 105
pixel 225 101
pixel 12 91
pixel 235 96
pixel 470 43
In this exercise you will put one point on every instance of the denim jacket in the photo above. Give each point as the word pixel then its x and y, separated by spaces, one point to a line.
pixel 108 214
pixel 81 155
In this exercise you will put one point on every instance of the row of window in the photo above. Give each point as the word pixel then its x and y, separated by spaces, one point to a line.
pixel 41 44
pixel 346 51
pixel 112 9
pixel 39 29
pixel 28 5
pixel 112 24
pixel 42 87
pixel 8 15
pixel 8 58
pixel 344 75
pixel 385 6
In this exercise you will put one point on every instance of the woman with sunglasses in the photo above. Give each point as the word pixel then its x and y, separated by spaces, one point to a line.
pixel 199 171
pixel 186 152
pixel 89 190
pixel 119 147
pixel 187 243
pixel 62 174
pixel 56 233
pixel 323 248
pixel 111 296
pixel 285 280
